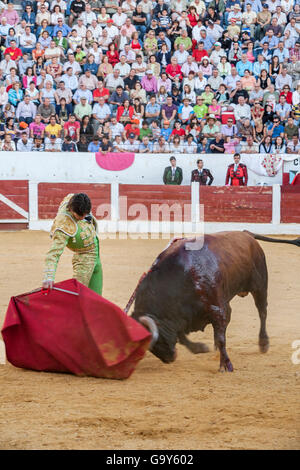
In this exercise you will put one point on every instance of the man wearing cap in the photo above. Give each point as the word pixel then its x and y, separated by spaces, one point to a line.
pixel 166 131
pixel 236 13
pixel 214 32
pixel 233 29
pixel 211 128
pixel 149 82
pixel 131 144
pixel 173 174
pixel 217 53
pixel 53 143
pixel 202 175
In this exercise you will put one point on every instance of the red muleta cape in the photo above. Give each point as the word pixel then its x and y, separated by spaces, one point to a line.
pixel 82 334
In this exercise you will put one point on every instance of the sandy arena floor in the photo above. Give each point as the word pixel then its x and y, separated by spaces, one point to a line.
pixel 184 405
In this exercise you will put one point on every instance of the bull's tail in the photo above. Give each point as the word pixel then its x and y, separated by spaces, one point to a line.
pixel 296 241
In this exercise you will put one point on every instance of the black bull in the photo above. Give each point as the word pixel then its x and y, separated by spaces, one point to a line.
pixel 187 289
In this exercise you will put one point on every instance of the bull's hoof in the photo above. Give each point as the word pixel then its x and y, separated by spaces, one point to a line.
pixel 199 348
pixel 264 346
pixel 228 367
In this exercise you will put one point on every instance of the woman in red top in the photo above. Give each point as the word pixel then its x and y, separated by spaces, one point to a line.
pixel 112 54
pixel 192 16
pixel 135 43
pixel 173 69
pixel 125 113
pixel 286 91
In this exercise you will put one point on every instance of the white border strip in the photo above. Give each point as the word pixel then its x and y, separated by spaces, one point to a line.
pixel 14 206
pixel 107 228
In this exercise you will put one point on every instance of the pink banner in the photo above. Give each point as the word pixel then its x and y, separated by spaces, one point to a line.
pixel 115 161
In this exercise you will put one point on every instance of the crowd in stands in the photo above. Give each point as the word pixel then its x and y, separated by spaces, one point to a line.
pixel 165 76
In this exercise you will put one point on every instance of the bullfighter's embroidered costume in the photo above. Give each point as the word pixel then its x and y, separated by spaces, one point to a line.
pixel 80 236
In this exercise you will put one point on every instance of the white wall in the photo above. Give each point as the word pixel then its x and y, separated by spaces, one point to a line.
pixel 82 167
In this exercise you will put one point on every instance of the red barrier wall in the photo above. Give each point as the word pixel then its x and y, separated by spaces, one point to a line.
pixel 150 195
pixel 237 204
pixel 290 204
pixel 50 196
pixel 17 192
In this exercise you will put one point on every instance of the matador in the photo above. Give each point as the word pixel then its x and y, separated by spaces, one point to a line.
pixel 75 227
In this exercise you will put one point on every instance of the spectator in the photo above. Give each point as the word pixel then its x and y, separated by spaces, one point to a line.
pixel 26 110
pixel 72 128
pixel 24 144
pixel 53 144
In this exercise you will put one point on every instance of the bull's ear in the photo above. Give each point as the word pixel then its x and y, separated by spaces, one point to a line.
pixel 150 324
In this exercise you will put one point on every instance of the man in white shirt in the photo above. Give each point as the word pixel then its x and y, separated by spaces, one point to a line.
pixel 214 31
pixel 96 29
pixel 181 54
pixel 27 41
pixel 119 18
pixel 101 112
pixel 231 80
pixel 80 28
pixel 6 64
pixel 112 30
pixel 131 144
pixel 24 144
pixel 123 67
pixel 242 110
pixel 116 128
pixel 113 80
pixel 139 66
pixel 60 3
pixel 70 80
pixel 88 15
pixel 82 91
pixel 280 15
pixel 283 79
pixel 72 63
pixel 129 54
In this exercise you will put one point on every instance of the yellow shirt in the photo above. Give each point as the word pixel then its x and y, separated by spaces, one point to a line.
pixel 53 130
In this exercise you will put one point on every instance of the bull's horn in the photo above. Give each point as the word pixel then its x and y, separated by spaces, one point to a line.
pixel 150 324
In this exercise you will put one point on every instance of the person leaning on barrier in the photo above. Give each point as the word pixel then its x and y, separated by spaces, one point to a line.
pixel 173 173
pixel 202 175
